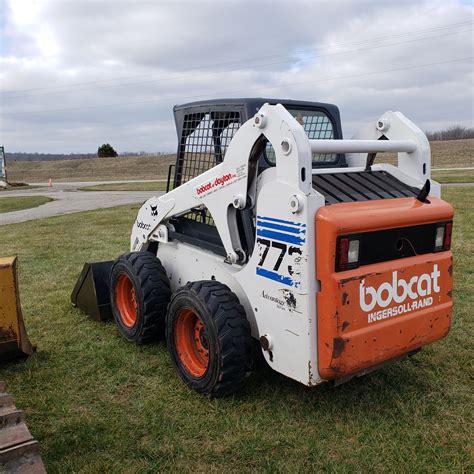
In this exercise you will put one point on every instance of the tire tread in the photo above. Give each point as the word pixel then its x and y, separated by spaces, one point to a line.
pixel 233 330
pixel 155 287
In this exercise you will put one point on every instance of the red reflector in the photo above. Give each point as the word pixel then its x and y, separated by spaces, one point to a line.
pixel 448 230
pixel 342 253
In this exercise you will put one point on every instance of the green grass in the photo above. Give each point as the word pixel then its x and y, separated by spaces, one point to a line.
pixel 99 404
pixel 148 186
pixel 10 204
pixel 461 176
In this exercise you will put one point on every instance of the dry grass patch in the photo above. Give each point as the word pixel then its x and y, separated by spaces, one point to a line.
pixel 94 169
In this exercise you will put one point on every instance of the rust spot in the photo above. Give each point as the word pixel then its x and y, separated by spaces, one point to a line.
pixel 345 324
pixel 359 277
pixel 339 345
pixel 345 296
pixel 310 374
pixel 450 270
pixel 347 280
pixel 7 333
pixel 265 343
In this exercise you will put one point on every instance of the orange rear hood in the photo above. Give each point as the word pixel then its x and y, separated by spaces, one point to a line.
pixel 379 311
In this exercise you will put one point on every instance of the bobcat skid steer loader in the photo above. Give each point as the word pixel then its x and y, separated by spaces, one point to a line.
pixel 276 228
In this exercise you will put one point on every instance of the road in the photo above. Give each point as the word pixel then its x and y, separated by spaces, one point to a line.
pixel 68 199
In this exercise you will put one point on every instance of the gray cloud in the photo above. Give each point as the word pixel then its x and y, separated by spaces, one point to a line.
pixel 62 61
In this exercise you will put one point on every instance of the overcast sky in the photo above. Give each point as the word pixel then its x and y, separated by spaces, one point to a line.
pixel 77 73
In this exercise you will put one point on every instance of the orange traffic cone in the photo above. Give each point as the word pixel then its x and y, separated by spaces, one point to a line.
pixel 50 183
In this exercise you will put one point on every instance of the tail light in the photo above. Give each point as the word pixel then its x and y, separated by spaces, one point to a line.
pixel 443 234
pixel 347 253
pixel 364 248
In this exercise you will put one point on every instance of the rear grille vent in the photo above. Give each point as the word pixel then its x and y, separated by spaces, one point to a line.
pixel 361 186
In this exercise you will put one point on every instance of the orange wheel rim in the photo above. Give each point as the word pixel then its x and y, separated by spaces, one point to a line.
pixel 126 298
pixel 191 342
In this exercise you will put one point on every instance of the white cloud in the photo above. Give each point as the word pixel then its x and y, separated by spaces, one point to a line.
pixel 61 62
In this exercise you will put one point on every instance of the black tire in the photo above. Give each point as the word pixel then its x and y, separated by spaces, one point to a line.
pixel 227 337
pixel 143 275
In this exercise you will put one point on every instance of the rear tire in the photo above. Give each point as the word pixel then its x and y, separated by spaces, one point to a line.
pixel 139 295
pixel 208 338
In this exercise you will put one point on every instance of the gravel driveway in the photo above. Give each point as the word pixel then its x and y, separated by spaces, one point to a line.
pixel 68 199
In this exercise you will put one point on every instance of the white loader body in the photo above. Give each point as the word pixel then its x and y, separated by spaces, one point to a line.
pixel 278 284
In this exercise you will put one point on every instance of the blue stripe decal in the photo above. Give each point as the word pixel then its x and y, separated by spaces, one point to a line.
pixel 284 228
pixel 276 277
pixel 281 221
pixel 290 239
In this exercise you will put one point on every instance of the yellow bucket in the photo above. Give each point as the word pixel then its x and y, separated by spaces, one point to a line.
pixel 14 341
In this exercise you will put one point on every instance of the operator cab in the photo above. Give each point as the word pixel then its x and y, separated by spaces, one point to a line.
pixel 205 130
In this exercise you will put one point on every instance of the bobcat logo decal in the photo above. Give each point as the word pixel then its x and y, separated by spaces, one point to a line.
pixel 154 211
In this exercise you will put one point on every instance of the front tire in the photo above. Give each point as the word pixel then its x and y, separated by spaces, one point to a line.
pixel 208 338
pixel 139 295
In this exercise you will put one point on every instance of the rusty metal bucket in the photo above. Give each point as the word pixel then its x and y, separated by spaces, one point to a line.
pixel 14 341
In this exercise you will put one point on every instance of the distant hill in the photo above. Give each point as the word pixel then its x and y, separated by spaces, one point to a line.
pixel 444 154
pixel 19 156
pixel 90 169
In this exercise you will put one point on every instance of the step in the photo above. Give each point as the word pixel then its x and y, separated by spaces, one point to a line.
pixel 8 409
pixel 14 435
pixel 6 400
pixel 24 458
pixel 11 417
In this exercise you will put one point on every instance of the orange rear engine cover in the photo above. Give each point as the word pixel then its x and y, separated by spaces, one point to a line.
pixel 379 311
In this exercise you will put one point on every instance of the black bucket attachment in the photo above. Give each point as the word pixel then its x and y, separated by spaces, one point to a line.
pixel 91 293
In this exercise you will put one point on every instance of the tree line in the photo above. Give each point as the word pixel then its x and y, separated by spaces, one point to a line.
pixel 454 132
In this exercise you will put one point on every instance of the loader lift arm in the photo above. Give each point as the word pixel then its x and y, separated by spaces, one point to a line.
pixel 233 180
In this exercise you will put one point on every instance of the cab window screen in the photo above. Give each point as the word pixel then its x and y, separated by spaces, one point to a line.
pixel 317 126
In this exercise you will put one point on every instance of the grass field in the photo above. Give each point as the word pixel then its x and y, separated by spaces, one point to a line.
pixel 147 186
pixel 9 204
pixel 453 153
pixel 462 176
pixel 99 404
